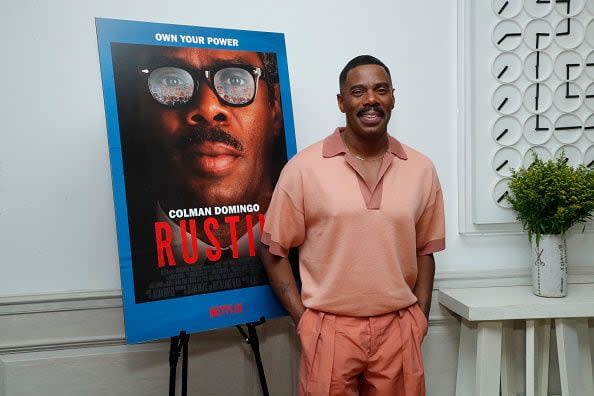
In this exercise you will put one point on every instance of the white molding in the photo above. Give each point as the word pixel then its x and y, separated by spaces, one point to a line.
pixel 39 345
pixel 502 277
pixel 464 175
pixel 52 334
pixel 56 302
pixel 31 323
pixel 466 226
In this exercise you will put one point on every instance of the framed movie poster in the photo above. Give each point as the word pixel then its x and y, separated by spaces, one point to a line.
pixel 199 125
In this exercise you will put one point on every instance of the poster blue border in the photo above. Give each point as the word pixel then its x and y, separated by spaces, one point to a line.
pixel 166 318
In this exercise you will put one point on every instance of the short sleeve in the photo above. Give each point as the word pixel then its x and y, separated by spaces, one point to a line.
pixel 284 227
pixel 430 227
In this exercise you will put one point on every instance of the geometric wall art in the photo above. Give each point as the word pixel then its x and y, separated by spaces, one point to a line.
pixel 526 85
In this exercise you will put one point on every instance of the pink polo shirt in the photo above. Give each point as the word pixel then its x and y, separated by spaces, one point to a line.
pixel 358 246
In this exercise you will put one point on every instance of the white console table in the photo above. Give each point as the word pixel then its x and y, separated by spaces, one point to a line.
pixel 486 326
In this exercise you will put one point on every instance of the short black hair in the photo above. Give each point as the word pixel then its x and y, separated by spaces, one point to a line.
pixel 359 61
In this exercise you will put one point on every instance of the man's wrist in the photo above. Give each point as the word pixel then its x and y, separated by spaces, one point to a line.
pixel 424 307
pixel 296 316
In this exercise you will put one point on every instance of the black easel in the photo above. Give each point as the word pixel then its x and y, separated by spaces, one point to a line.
pixel 178 344
pixel 252 339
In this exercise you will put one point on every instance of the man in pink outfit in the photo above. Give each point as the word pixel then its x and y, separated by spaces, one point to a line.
pixel 366 213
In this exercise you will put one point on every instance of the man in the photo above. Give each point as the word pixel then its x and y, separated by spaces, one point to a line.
pixel 366 213
pixel 203 144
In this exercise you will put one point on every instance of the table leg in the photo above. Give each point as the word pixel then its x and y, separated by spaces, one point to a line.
pixel 488 358
pixel 530 358
pixel 575 361
pixel 509 367
pixel 538 338
pixel 542 346
pixel 465 378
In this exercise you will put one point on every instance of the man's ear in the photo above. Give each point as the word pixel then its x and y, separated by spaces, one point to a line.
pixel 277 112
pixel 393 99
pixel 340 101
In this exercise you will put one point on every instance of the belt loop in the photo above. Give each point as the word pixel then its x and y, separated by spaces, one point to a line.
pixel 319 322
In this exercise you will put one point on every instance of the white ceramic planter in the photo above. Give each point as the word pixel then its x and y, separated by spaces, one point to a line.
pixel 549 266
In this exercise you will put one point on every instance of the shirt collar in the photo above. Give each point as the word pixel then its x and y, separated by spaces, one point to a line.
pixel 333 145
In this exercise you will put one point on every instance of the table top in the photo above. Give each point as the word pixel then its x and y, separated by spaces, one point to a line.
pixel 517 302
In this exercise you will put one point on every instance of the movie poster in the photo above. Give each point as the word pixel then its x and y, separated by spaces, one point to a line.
pixel 199 125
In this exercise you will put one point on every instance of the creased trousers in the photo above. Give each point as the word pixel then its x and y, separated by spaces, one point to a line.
pixel 374 356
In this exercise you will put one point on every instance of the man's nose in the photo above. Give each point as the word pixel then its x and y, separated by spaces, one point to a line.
pixel 370 98
pixel 206 108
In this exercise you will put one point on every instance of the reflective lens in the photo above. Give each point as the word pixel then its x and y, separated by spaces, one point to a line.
pixel 235 85
pixel 171 86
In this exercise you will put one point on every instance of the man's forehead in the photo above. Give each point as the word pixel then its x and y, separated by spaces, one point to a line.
pixel 368 74
pixel 200 57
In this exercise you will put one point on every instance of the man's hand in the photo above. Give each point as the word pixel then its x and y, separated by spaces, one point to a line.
pixel 283 282
pixel 424 286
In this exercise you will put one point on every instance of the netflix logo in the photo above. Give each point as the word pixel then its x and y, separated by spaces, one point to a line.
pixel 224 310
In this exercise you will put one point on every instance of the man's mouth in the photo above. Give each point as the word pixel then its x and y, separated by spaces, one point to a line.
pixel 371 115
pixel 209 151
pixel 213 158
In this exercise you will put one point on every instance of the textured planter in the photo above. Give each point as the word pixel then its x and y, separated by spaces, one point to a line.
pixel 549 266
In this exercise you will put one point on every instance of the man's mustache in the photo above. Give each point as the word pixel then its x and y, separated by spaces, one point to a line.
pixel 377 108
pixel 207 134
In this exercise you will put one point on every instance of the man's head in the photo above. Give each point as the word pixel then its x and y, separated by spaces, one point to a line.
pixel 366 96
pixel 208 120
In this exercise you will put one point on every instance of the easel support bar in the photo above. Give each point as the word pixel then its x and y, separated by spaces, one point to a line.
pixel 251 338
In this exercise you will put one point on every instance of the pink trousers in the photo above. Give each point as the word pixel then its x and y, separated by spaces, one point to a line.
pixel 378 355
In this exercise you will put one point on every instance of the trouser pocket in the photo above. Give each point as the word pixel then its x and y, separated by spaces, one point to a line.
pixel 316 332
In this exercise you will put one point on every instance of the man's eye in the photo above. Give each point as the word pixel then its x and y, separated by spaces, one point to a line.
pixel 172 81
pixel 236 81
pixel 382 91
pixel 357 92
pixel 170 78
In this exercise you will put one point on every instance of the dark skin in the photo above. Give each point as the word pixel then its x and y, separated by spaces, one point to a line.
pixel 212 173
pixel 283 282
pixel 367 99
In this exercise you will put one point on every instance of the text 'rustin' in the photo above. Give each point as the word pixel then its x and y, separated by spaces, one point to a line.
pixel 189 246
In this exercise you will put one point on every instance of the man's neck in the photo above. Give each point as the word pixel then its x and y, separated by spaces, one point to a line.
pixel 368 147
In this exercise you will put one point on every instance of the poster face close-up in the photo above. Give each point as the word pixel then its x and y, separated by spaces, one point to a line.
pixel 199 126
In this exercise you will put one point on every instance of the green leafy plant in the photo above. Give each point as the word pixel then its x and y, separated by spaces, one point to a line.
pixel 550 197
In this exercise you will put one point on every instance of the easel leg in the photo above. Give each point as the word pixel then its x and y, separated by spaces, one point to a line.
pixel 185 342
pixel 173 357
pixel 179 344
pixel 252 339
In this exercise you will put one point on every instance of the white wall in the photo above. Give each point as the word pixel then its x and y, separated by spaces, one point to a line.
pixel 56 212
pixel 57 228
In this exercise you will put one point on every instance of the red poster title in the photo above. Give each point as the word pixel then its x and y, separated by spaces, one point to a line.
pixel 191 254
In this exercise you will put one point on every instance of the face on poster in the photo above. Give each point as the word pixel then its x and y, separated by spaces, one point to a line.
pixel 199 127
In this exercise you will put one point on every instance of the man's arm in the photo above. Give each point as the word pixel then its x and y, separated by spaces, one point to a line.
pixel 424 286
pixel 283 282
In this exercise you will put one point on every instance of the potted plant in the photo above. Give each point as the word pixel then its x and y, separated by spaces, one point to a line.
pixel 549 198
